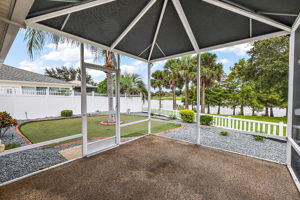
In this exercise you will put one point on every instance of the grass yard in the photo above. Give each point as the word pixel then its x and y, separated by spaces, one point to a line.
pixel 48 130
pixel 259 118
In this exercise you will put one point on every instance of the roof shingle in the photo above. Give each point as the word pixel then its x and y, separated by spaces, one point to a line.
pixel 16 74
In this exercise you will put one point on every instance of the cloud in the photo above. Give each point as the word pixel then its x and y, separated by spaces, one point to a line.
pixel 64 52
pixel 239 50
pixel 34 66
pixel 223 61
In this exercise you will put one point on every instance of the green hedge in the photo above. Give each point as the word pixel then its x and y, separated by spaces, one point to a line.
pixel 206 120
pixel 187 116
pixel 66 113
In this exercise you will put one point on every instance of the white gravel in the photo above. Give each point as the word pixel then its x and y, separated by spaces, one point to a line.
pixel 236 141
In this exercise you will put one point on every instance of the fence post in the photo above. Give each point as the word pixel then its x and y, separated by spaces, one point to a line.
pixel 281 128
pixel 229 122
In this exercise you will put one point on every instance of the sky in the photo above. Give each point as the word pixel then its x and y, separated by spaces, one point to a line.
pixel 68 55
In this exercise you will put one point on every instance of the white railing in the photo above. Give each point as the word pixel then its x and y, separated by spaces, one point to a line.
pixel 270 129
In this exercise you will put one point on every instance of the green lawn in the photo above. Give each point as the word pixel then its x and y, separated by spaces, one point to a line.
pixel 48 130
pixel 165 98
pixel 260 118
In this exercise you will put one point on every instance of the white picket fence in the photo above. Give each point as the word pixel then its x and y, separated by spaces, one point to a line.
pixel 269 129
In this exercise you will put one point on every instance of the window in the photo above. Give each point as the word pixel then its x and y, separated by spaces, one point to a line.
pixel 41 90
pixel 28 90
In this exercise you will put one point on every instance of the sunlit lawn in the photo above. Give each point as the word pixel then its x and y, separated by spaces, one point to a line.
pixel 48 130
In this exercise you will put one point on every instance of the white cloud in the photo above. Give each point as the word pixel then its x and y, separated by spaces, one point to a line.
pixel 239 50
pixel 65 53
pixel 224 61
pixel 34 66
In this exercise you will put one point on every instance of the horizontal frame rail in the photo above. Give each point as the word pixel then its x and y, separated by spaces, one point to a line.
pixel 132 123
pixel 99 67
pixel 32 146
pixel 166 121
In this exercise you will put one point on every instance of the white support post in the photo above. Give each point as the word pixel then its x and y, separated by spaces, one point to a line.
pixel 149 98
pixel 83 102
pixel 118 116
pixel 198 97
pixel 290 95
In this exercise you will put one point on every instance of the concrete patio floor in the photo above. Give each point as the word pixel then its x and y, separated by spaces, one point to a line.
pixel 154 167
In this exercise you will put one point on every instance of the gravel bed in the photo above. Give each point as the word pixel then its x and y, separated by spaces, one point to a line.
pixel 12 137
pixel 21 163
pixel 236 141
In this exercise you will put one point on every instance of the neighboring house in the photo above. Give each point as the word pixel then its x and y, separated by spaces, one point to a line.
pixel 77 86
pixel 18 81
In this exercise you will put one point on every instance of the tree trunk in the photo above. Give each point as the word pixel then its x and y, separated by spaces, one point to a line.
pixel 253 112
pixel 186 94
pixel 242 110
pixel 110 94
pixel 233 111
pixel 271 112
pixel 203 97
pixel 159 96
pixel 219 109
pixel 286 111
pixel 208 109
pixel 267 112
pixel 174 97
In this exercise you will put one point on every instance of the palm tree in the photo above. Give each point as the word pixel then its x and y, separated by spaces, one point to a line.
pixel 157 81
pixel 172 76
pixel 211 71
pixel 188 72
pixel 36 40
pixel 132 84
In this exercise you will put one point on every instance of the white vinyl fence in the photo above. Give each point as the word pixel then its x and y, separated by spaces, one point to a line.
pixel 40 104
pixel 269 129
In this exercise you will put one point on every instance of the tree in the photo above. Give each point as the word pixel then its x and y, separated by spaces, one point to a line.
pixel 173 78
pixel 157 82
pixel 130 84
pixel 67 74
pixel 36 40
pixel 188 72
pixel 211 71
pixel 268 68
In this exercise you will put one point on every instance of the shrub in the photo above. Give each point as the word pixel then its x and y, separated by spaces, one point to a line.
pixel 6 121
pixel 66 113
pixel 12 146
pixel 259 138
pixel 206 120
pixel 172 116
pixel 187 116
pixel 224 133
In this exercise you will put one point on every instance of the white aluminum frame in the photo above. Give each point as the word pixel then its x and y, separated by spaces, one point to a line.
pixel 133 23
pixel 186 24
pixel 149 97
pixel 66 11
pixel 290 142
pixel 198 97
pixel 157 28
pixel 249 14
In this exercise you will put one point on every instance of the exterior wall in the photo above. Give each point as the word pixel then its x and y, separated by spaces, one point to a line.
pixel 50 105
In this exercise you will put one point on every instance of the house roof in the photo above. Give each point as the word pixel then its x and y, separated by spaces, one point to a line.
pixel 152 30
pixel 78 84
pixel 16 74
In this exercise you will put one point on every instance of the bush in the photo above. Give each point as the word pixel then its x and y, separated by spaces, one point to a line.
pixel 224 133
pixel 206 120
pixel 12 146
pixel 259 138
pixel 172 116
pixel 187 116
pixel 6 121
pixel 66 113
